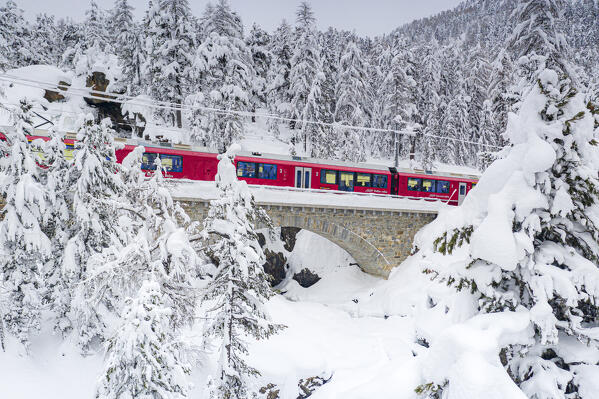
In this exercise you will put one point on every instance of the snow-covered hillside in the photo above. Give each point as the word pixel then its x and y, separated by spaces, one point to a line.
pixel 348 327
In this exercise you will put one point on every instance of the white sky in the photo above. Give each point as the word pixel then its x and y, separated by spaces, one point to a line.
pixel 366 17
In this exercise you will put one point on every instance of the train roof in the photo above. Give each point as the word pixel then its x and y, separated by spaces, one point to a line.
pixel 281 157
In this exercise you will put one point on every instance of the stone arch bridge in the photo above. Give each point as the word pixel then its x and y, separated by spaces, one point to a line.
pixel 378 239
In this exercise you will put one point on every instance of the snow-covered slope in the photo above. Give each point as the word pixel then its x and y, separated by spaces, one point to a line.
pixel 346 327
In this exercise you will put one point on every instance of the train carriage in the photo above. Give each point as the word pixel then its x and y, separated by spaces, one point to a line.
pixel 199 163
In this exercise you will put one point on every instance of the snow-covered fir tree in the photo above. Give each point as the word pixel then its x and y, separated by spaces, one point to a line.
pixel 257 42
pixel 352 106
pixel 278 99
pixel 44 39
pixel 96 186
pixel 144 358
pixel 95 30
pixel 170 45
pixel 24 246
pixel 223 66
pixel 127 44
pixel 397 96
pixel 15 48
pixel 305 76
pixel 55 177
pixel 235 298
pixel 158 249
pixel 525 241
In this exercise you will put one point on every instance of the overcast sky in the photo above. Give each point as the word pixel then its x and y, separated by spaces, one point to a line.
pixel 366 17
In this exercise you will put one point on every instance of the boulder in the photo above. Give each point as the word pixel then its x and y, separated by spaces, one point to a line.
pixel 276 263
pixel 288 236
pixel 55 96
pixel 306 278
pixel 275 266
pixel 307 386
pixel 270 391
pixel 97 81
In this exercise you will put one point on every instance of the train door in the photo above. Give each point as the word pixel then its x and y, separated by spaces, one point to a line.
pixel 302 177
pixel 462 193
pixel 394 181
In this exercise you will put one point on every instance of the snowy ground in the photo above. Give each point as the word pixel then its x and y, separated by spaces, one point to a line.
pixel 346 326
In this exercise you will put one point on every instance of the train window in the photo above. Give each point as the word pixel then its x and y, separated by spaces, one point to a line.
pixel 267 171
pixel 379 181
pixel 473 185
pixel 328 176
pixel 147 161
pixel 346 181
pixel 428 186
pixel 442 187
pixel 363 180
pixel 172 163
pixel 246 169
pixel 414 184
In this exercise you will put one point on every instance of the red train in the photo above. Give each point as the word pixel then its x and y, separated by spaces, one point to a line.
pixel 198 163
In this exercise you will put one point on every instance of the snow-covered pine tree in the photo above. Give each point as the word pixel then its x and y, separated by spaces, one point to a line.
pixel 429 106
pixel 224 69
pixel 144 358
pixel 23 245
pixel 306 64
pixel 158 249
pixel 95 31
pixel 170 46
pixel 526 239
pixel 331 46
pixel 455 127
pixel 277 77
pixel 15 48
pixel 502 100
pixel 55 177
pixel 127 44
pixel 257 42
pixel 477 81
pixel 352 108
pixel 398 95
pixel 44 39
pixel 96 186
pixel 70 41
pixel 236 295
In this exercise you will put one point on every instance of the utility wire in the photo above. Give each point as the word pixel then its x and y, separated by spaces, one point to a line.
pixel 136 101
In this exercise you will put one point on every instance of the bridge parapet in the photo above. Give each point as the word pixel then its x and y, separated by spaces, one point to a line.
pixel 378 239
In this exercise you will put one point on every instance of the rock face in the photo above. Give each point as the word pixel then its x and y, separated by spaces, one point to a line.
pixel 288 236
pixel 276 263
pixel 275 266
pixel 97 81
pixel 306 278
pixel 55 96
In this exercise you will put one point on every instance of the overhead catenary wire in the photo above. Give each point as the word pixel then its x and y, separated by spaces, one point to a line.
pixel 164 105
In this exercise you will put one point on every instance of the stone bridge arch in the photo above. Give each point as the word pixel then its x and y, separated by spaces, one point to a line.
pixel 366 254
pixel 378 239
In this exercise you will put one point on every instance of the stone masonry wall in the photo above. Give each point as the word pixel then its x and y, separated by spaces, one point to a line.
pixel 378 240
